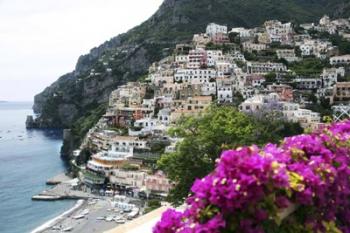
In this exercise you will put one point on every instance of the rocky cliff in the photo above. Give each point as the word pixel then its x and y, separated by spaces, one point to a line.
pixel 77 98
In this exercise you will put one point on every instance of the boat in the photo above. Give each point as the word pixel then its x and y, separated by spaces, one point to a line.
pixel 68 229
pixel 133 213
pixel 92 202
pixel 100 218
pixel 56 228
pixel 41 197
pixel 109 218
pixel 85 212
pixel 120 221
pixel 78 216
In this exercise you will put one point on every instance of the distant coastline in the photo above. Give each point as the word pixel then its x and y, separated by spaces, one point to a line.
pixel 16 101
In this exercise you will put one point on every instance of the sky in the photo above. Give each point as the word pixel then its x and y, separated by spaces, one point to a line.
pixel 40 40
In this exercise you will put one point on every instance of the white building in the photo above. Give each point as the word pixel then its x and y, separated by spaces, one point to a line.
pixel 194 75
pixel 287 54
pixel 238 56
pixel 159 79
pixel 254 80
pixel 118 154
pixel 306 49
pixel 209 88
pixel 290 111
pixel 181 59
pixel 128 178
pixel 224 67
pixel 247 92
pixel 250 46
pixel 257 103
pixel 308 83
pixel 164 116
pixel 279 32
pixel 147 126
pixel 214 56
pixel 340 60
pixel 306 118
pixel 317 48
pixel 330 76
pixel 125 144
pixel 243 32
pixel 265 67
pixel 325 20
pixel 213 29
pixel 225 94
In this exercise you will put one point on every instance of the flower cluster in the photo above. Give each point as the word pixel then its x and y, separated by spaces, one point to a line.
pixel 302 185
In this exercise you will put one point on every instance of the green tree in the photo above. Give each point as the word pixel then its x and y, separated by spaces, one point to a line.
pixel 343 44
pixel 234 37
pixel 205 137
pixel 271 77
pixel 309 66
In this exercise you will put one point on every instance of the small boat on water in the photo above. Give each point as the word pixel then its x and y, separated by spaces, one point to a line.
pixel 100 218
pixel 41 197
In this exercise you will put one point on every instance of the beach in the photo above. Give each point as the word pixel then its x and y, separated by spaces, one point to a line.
pixel 87 224
pixel 87 216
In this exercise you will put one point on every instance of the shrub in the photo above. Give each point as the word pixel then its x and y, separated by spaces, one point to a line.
pixel 300 186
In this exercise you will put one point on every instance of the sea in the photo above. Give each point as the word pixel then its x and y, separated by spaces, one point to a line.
pixel 27 159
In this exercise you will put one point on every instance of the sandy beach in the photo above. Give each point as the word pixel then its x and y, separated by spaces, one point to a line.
pixel 85 218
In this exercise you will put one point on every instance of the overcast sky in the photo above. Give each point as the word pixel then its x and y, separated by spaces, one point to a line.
pixel 41 40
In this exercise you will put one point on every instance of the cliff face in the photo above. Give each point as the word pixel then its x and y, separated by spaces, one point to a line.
pixel 76 95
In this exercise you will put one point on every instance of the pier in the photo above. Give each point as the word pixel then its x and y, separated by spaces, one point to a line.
pixel 61 192
pixel 60 178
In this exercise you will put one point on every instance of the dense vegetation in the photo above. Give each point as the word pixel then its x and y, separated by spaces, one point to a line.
pixel 206 137
pixel 181 19
pixel 343 45
pixel 309 66
pixel 81 127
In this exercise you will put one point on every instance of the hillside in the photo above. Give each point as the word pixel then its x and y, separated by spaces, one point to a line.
pixel 78 98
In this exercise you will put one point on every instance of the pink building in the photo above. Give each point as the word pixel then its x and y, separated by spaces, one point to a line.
pixel 197 58
pixel 285 92
pixel 254 80
pixel 220 38
pixel 158 183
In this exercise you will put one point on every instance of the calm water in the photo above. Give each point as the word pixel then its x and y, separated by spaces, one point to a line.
pixel 27 160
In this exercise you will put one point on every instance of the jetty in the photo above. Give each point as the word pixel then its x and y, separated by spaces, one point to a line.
pixel 62 191
pixel 60 178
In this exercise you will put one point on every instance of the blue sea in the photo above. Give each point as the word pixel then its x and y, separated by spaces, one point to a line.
pixel 27 159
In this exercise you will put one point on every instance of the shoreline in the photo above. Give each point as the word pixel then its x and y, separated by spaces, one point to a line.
pixel 50 223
